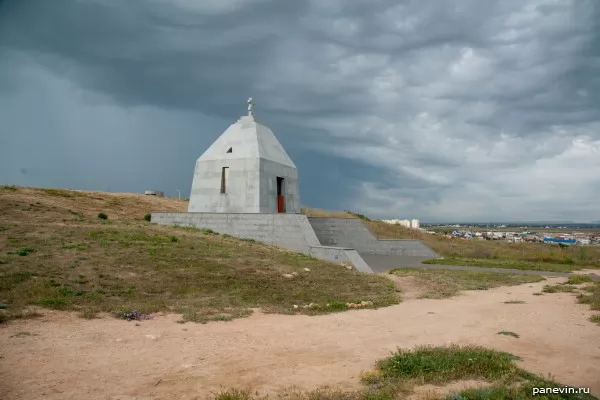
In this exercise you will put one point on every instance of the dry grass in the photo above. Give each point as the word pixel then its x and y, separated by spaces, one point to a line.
pixel 443 283
pixel 506 264
pixel 497 253
pixel 591 296
pixel 317 212
pixel 588 292
pixel 56 253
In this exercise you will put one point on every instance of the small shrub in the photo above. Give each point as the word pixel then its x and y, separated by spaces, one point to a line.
pixel 148 217
pixel 25 251
pixel 557 288
pixel 134 315
pixel 595 319
pixel 102 216
pixel 507 333
pixel 174 239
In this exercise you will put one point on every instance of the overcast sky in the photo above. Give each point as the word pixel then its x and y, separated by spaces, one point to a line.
pixel 437 110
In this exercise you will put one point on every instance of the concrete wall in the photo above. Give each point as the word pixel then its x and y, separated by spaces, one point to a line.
pixel 291 231
pixel 269 171
pixel 353 233
pixel 250 187
pixel 242 186
pixel 341 255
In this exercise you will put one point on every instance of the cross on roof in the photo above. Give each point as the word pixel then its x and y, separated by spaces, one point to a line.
pixel 250 106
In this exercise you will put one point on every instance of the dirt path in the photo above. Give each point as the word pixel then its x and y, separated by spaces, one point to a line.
pixel 64 357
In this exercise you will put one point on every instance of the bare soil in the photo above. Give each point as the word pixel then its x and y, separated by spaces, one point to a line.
pixel 60 356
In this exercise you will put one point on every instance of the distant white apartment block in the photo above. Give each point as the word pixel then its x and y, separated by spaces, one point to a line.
pixel 414 223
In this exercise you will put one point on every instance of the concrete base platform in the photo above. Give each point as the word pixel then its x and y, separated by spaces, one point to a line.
pixel 290 231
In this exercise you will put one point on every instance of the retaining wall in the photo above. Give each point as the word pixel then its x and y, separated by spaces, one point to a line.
pixel 353 233
pixel 291 231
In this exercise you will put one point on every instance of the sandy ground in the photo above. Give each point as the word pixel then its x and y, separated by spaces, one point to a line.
pixel 65 357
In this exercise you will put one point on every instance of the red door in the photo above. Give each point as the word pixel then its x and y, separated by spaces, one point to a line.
pixel 280 204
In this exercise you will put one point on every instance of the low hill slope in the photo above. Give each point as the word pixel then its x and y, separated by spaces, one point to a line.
pixel 55 252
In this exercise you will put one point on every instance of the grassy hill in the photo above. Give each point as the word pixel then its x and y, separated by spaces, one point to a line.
pixel 55 252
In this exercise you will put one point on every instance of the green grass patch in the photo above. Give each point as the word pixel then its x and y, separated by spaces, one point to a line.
pixel 442 283
pixel 507 264
pixel 397 376
pixel 524 391
pixel 592 297
pixel 578 280
pixel 25 251
pixel 564 288
pixel 439 365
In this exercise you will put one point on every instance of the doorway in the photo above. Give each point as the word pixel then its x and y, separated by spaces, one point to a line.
pixel 280 196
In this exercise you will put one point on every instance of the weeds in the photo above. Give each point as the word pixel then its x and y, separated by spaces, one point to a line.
pixel 558 288
pixel 508 333
pixel 577 280
pixel 440 283
pixel 25 251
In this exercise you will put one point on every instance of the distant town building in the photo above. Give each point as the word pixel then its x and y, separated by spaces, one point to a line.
pixel 154 193
pixel 414 223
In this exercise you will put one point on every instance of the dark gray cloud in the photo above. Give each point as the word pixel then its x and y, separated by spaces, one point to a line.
pixel 452 110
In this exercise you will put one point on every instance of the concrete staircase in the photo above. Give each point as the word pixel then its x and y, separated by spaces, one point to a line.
pixel 353 233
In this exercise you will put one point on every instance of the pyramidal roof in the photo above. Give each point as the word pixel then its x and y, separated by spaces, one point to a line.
pixel 247 138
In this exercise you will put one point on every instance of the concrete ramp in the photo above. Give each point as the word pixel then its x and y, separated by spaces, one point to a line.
pixel 381 255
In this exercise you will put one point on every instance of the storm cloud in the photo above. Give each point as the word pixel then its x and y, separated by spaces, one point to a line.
pixel 464 110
